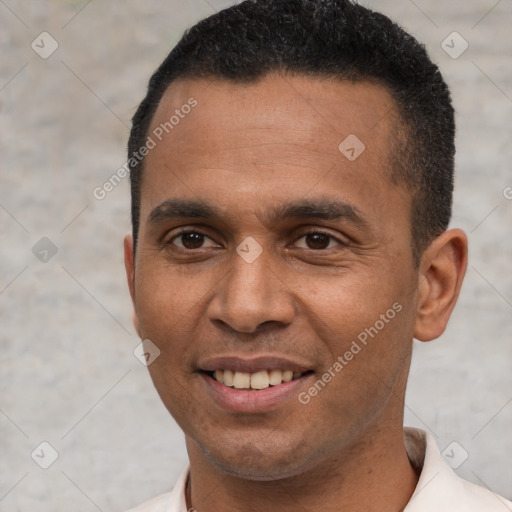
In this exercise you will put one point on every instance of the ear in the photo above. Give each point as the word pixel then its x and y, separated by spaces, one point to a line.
pixel 442 268
pixel 129 264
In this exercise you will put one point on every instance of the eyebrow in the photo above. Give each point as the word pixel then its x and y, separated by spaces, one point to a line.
pixel 179 208
pixel 319 209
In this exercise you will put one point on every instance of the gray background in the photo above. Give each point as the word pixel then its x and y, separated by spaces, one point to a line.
pixel 68 374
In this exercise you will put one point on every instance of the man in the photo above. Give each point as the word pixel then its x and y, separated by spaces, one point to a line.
pixel 292 174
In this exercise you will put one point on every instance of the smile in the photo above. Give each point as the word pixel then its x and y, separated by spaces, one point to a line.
pixel 254 381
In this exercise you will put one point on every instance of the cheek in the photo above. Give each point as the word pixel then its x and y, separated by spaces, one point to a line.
pixel 344 306
pixel 166 301
pixel 366 351
pixel 368 323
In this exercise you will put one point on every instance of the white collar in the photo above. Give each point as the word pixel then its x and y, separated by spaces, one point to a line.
pixel 439 489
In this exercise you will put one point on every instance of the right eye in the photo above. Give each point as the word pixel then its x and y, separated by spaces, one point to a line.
pixel 190 240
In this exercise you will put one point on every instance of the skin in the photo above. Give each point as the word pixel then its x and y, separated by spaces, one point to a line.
pixel 248 150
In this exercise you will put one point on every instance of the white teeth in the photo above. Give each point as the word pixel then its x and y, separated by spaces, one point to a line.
pixel 258 380
pixel 242 380
pixel 276 377
pixel 287 376
pixel 228 377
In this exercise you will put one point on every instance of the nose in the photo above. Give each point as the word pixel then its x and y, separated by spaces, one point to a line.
pixel 250 296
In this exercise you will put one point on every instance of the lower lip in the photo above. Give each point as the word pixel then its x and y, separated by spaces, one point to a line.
pixel 241 400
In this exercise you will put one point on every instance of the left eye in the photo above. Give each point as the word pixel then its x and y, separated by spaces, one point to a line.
pixel 317 241
pixel 191 240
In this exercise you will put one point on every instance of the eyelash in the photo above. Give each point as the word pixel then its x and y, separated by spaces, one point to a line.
pixel 303 234
pixel 321 232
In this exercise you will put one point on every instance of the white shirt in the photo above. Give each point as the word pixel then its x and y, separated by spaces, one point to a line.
pixel 439 489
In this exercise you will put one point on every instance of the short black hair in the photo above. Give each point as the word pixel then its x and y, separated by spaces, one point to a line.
pixel 325 38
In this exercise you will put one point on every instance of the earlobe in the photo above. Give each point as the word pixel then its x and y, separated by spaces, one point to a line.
pixel 129 263
pixel 442 270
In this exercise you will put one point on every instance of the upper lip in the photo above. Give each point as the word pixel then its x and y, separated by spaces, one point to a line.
pixel 251 365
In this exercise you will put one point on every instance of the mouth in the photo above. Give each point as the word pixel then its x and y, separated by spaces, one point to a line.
pixel 253 385
pixel 255 381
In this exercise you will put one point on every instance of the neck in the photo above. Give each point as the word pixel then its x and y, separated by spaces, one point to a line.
pixel 373 475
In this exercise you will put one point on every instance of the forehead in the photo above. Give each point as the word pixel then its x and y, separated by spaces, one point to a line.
pixel 302 106
pixel 279 136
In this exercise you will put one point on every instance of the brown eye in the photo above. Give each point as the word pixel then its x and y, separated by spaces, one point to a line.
pixel 317 241
pixel 192 240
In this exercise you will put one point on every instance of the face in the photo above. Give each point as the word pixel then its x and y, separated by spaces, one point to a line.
pixel 266 254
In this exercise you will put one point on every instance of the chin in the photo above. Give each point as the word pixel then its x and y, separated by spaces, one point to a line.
pixel 251 461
